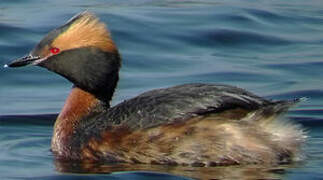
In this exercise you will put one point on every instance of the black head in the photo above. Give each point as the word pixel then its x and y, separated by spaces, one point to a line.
pixel 82 51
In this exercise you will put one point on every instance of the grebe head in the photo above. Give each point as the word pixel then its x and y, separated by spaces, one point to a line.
pixel 82 51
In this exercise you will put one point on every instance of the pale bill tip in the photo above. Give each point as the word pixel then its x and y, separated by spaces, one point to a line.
pixel 5 66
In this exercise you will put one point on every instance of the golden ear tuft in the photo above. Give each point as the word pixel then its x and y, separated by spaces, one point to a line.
pixel 85 30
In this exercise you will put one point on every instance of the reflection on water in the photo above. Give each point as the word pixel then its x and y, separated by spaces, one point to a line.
pixel 230 172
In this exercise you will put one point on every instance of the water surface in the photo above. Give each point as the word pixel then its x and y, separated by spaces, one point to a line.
pixel 272 48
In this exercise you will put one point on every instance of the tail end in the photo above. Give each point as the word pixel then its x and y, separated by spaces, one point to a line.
pixel 290 136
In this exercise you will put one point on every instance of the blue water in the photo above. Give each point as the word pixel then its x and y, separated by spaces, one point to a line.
pixel 272 48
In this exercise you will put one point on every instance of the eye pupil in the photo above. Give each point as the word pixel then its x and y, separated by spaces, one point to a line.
pixel 54 50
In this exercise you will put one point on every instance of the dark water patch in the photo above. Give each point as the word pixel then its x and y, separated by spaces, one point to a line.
pixel 311 118
pixel 309 112
pixel 118 176
pixel 309 122
pixel 42 119
pixel 233 37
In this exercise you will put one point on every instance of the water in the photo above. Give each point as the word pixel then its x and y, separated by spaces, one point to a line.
pixel 272 48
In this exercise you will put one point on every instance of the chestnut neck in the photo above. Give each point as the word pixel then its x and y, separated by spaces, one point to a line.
pixel 78 105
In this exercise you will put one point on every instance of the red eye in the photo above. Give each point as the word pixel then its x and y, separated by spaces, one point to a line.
pixel 54 50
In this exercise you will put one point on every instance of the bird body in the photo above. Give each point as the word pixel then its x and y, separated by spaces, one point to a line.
pixel 191 124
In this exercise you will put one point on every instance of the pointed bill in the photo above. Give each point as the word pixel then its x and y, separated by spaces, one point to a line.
pixel 23 61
